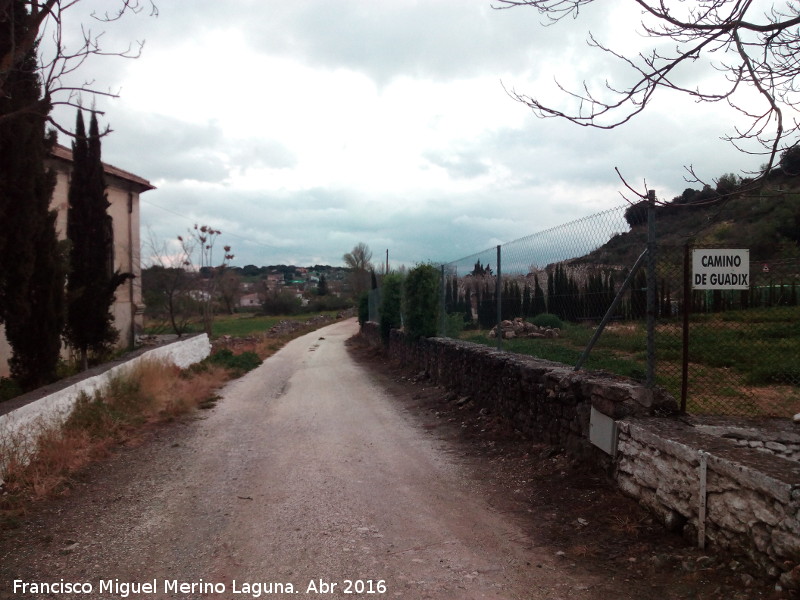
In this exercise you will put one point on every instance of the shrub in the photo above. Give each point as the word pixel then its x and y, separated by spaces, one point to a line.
pixel 282 302
pixel 9 389
pixel 238 363
pixel 391 304
pixel 422 301
pixel 547 320
pixel 455 325
pixel 328 302
pixel 363 308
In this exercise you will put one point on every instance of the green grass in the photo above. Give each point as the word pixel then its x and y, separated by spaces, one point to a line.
pixel 730 353
pixel 244 324
pixel 241 324
pixel 563 350
pixel 239 364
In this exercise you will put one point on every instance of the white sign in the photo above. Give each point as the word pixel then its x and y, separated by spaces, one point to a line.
pixel 720 269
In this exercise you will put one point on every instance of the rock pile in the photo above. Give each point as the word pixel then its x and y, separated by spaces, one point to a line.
pixel 290 326
pixel 519 328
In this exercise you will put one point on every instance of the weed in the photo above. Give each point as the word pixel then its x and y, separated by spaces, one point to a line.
pixel 39 460
pixel 238 363
pixel 547 320
pixel 9 389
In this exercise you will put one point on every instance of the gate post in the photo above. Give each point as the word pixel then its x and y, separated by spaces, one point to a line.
pixel 498 294
pixel 651 287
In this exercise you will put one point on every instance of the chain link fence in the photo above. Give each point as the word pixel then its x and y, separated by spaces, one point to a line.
pixel 731 352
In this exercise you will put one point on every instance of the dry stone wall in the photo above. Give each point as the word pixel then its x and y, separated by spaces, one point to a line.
pixel 752 487
pixel 752 498
pixel 547 401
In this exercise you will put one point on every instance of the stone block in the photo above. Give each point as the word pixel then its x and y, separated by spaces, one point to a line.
pixel 785 545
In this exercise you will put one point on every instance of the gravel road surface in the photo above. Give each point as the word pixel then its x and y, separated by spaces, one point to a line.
pixel 303 476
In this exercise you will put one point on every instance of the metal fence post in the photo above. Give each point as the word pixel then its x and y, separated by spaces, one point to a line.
pixel 610 312
pixel 498 294
pixel 687 309
pixel 651 288
pixel 442 306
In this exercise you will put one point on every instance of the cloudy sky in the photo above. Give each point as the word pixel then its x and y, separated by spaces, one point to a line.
pixel 300 129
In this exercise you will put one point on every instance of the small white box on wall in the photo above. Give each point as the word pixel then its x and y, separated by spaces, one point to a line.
pixel 603 432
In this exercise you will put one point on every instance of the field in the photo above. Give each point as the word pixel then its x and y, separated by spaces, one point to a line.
pixel 740 362
pixel 242 324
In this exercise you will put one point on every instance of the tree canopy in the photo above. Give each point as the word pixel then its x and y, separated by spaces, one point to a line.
pixel 92 280
pixel 31 275
pixel 31 19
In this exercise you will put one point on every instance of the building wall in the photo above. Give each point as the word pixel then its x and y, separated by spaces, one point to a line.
pixel 128 308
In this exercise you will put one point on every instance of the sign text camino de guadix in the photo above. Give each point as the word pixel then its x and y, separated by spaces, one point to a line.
pixel 720 269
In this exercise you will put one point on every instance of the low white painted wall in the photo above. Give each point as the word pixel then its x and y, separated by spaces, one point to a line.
pixel 19 426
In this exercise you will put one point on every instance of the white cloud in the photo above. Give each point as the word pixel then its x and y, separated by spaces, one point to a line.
pixel 302 128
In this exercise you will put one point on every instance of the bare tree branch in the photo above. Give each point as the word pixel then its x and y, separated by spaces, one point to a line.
pixel 45 22
pixel 755 49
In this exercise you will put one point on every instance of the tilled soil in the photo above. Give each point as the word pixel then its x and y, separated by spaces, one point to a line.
pixel 578 512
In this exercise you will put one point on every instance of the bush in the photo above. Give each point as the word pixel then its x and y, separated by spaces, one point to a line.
pixel 547 320
pixel 422 301
pixel 9 389
pixel 363 308
pixel 455 325
pixel 239 363
pixel 391 304
pixel 319 304
pixel 283 302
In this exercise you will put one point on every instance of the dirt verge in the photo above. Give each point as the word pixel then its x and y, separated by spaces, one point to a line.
pixel 577 512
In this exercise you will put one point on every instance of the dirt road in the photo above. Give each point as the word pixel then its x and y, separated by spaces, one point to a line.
pixel 306 474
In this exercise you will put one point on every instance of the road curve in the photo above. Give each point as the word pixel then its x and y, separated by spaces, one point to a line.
pixel 306 473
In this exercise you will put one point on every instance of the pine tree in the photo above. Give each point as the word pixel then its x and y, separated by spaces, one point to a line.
pixel 92 281
pixel 31 274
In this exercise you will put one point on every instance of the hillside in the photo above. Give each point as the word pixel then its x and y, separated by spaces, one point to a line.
pixel 765 221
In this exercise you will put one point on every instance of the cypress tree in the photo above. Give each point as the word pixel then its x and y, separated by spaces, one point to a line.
pixel 92 281
pixel 487 311
pixel 517 300
pixel 322 286
pixel 31 275
pixel 460 307
pixel 448 297
pixel 526 301
pixel 539 305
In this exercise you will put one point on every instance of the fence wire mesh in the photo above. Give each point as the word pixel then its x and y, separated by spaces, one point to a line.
pixel 743 352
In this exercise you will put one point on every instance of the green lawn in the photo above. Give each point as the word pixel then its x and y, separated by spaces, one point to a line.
pixel 740 361
pixel 242 324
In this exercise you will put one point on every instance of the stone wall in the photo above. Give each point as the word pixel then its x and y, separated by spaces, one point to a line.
pixel 752 497
pixel 547 401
